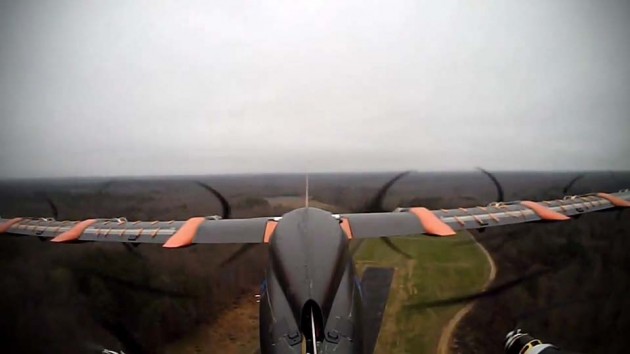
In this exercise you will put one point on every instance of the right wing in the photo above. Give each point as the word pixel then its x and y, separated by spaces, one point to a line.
pixel 445 222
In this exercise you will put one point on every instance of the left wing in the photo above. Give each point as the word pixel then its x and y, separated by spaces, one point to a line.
pixel 170 234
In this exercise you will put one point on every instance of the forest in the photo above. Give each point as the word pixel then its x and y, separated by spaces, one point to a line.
pixel 566 283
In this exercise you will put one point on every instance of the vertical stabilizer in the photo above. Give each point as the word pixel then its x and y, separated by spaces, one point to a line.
pixel 306 196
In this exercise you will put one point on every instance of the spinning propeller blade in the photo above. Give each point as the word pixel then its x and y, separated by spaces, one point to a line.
pixel 227 213
pixel 225 205
pixel 497 184
pixel 375 205
pixel 239 253
pixel 565 190
pixel 395 248
pixel 53 207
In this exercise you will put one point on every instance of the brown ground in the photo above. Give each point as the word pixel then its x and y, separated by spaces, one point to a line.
pixel 235 331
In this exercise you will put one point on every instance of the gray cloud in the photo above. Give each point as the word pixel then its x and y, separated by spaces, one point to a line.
pixel 119 88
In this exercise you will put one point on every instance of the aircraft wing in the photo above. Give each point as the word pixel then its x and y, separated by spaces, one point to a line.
pixel 445 222
pixel 401 222
pixel 170 234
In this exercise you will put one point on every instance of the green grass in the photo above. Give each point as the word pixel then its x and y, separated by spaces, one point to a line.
pixel 440 268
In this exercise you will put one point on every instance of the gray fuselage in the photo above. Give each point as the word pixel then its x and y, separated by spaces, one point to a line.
pixel 310 271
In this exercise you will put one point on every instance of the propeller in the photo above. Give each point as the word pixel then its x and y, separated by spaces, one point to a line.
pixel 133 249
pixel 133 286
pixel 375 205
pixel 500 288
pixel 101 190
pixel 499 188
pixel 565 190
pixel 395 248
pixel 225 205
pixel 238 254
pixel 53 207
pixel 226 214
pixel 108 320
pixel 497 184
pixel 114 326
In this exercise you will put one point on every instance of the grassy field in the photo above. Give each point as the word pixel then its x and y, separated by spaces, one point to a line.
pixel 441 268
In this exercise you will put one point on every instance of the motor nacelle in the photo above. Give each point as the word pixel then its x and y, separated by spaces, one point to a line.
pixel 518 342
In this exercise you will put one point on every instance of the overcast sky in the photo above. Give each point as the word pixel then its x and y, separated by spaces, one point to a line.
pixel 92 88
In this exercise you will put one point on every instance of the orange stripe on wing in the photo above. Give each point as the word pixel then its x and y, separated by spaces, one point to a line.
pixel 7 225
pixel 543 212
pixel 270 227
pixel 75 232
pixel 345 226
pixel 186 234
pixel 431 223
pixel 616 201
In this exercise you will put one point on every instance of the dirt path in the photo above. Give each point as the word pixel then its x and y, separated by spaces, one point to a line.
pixel 234 332
pixel 447 333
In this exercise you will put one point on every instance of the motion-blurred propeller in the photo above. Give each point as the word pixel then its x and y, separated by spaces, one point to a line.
pixel 238 254
pixel 497 184
pixel 565 190
pixel 53 210
pixel 225 205
pixel 226 214
pixel 53 207
pixel 375 205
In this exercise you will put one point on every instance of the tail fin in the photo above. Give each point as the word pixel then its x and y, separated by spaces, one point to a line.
pixel 306 196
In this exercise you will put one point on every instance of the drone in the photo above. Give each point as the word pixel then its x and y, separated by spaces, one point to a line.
pixel 312 300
